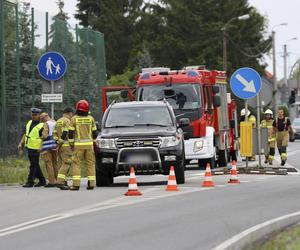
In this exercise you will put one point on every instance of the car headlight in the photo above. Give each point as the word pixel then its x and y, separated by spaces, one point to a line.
pixel 106 143
pixel 198 145
pixel 169 141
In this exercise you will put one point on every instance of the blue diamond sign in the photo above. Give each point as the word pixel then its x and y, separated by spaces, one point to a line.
pixel 52 66
pixel 245 83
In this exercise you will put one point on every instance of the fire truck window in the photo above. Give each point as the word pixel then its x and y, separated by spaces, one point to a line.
pixel 208 99
pixel 115 95
pixel 186 96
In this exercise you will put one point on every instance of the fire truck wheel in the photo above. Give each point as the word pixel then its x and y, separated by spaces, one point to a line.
pixel 103 177
pixel 223 158
pixel 179 172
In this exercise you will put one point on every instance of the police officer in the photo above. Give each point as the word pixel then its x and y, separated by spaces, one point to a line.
pixel 282 126
pixel 82 135
pixel 65 153
pixel 33 142
pixel 268 123
pixel 252 119
pixel 49 149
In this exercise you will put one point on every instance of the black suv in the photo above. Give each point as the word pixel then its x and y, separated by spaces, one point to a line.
pixel 144 135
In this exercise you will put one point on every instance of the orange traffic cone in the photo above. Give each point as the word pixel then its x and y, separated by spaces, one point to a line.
pixel 172 184
pixel 233 174
pixel 132 185
pixel 208 182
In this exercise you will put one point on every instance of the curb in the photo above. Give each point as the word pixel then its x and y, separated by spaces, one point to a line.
pixel 255 233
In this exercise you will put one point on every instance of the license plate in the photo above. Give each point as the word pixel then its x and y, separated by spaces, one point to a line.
pixel 139 159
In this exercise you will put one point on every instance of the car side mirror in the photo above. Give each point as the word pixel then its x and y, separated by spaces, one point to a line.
pixel 98 126
pixel 215 89
pixel 217 101
pixel 124 94
pixel 184 122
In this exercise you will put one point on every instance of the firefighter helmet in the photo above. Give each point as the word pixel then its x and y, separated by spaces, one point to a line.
pixel 268 112
pixel 83 106
pixel 243 112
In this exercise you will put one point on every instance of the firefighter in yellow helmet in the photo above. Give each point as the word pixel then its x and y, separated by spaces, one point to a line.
pixel 252 119
pixel 65 154
pixel 82 135
pixel 268 123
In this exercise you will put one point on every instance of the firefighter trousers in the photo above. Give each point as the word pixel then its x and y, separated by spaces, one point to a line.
pixel 65 155
pixel 271 151
pixel 87 156
pixel 50 159
pixel 282 143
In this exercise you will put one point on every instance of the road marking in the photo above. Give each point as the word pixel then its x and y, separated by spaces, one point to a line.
pixel 118 202
pixel 228 243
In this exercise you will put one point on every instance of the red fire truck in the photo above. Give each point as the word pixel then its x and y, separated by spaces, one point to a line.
pixel 194 93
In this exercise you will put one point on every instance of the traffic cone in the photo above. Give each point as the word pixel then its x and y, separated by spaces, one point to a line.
pixel 172 184
pixel 208 182
pixel 132 185
pixel 233 174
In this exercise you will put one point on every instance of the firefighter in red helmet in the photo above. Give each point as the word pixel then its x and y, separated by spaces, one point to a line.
pixel 82 135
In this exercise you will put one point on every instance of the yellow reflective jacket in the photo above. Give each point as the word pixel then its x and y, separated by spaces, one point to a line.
pixel 62 125
pixel 32 138
pixel 83 127
pixel 269 125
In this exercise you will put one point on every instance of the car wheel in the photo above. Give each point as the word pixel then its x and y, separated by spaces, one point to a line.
pixel 104 177
pixel 179 172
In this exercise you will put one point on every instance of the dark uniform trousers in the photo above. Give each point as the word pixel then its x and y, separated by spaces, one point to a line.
pixel 35 169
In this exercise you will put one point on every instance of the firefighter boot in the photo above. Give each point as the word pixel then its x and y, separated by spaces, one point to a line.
pixel 89 187
pixel 74 188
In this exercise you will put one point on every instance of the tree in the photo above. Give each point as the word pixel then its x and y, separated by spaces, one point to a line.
pixel 117 20
pixel 177 33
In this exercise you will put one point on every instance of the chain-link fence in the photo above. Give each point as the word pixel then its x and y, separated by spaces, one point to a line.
pixel 26 34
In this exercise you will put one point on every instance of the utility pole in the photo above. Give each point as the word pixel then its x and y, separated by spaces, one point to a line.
pixel 285 65
pixel 274 74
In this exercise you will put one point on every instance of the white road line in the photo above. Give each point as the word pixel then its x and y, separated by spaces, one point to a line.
pixel 229 243
pixel 118 202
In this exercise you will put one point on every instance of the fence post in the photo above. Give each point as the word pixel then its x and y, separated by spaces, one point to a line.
pixel 88 61
pixel 18 72
pixel 3 83
pixel 32 57
pixel 78 63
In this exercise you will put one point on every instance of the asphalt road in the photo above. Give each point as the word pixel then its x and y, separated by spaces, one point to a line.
pixel 193 218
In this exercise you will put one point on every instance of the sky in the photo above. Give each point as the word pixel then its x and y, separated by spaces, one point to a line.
pixel 287 11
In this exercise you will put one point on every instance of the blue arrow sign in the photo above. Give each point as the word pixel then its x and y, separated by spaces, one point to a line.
pixel 245 83
pixel 52 66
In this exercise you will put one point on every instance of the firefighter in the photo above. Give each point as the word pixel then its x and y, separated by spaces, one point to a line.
pixel 82 135
pixel 268 123
pixel 282 126
pixel 32 141
pixel 252 119
pixel 60 134
pixel 49 149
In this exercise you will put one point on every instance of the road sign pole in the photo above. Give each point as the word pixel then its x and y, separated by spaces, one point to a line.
pixel 52 104
pixel 246 119
pixel 258 130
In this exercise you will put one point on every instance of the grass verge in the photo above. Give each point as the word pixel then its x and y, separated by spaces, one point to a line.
pixel 289 238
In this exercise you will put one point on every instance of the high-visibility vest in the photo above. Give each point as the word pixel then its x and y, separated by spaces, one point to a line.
pixel 269 125
pixel 33 140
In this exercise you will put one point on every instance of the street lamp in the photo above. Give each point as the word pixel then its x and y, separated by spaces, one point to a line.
pixel 274 66
pixel 224 28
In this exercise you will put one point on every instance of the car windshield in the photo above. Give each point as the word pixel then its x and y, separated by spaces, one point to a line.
pixel 296 123
pixel 184 96
pixel 138 116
